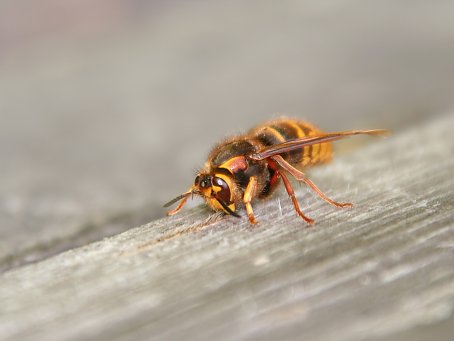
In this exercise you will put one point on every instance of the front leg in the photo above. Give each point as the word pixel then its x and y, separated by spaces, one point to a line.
pixel 247 198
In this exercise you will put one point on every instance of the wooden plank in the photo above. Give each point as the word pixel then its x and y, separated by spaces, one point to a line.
pixel 85 109
pixel 382 269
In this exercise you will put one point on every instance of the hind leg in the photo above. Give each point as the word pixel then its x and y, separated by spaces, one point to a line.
pixel 298 175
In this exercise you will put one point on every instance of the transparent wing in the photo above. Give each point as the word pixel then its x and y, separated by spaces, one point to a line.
pixel 311 140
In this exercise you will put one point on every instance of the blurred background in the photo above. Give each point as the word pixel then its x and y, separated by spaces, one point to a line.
pixel 107 107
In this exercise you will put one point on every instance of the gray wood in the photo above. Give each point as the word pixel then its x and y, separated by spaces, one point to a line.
pixel 384 269
pixel 104 116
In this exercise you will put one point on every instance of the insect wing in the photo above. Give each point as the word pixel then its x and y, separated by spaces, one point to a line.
pixel 291 145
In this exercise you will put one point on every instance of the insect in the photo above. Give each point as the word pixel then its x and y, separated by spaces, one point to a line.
pixel 250 166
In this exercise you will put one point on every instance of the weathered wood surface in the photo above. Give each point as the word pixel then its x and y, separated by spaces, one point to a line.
pixel 88 102
pixel 384 269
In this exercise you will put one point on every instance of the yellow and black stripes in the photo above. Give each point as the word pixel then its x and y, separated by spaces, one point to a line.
pixel 249 166
pixel 279 131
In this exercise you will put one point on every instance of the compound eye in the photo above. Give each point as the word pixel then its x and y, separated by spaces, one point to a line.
pixel 224 193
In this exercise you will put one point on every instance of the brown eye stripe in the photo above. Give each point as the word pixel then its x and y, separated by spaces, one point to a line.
pixel 224 193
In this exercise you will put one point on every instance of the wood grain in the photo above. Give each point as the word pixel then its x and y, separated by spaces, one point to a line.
pixel 384 269
pixel 87 102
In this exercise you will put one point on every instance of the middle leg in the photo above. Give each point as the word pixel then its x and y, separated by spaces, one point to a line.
pixel 291 193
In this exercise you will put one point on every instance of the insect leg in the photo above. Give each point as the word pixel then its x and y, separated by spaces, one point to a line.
pixel 247 198
pixel 291 193
pixel 301 177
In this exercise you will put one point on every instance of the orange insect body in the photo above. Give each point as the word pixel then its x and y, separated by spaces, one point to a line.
pixel 251 166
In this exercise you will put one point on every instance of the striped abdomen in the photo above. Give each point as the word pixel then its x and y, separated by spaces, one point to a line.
pixel 281 130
